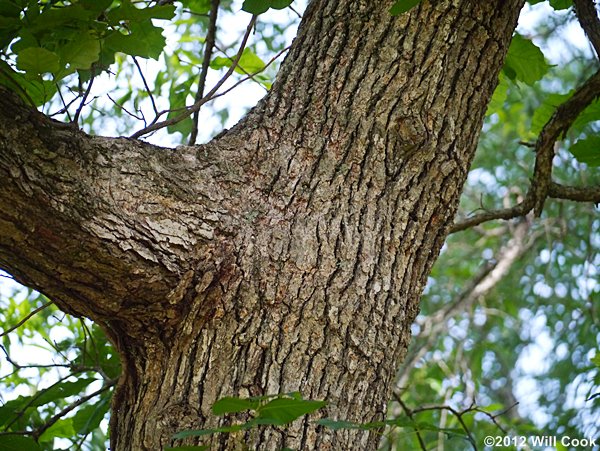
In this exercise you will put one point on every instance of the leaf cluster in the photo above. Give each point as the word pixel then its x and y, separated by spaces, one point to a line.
pixel 43 42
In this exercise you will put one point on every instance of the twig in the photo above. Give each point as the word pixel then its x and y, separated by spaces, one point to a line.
pixel 296 12
pixel 458 416
pixel 208 51
pixel 409 414
pixel 39 431
pixel 588 18
pixel 85 95
pixel 137 64
pixel 124 109
pixel 499 414
pixel 211 94
pixel 65 106
pixel 24 320
pixel 250 75
pixel 542 185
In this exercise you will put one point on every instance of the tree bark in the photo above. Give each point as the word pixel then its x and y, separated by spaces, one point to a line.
pixel 286 255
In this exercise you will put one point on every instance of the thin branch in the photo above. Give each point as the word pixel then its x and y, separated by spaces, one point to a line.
pixel 458 416
pixel 410 415
pixel 540 188
pixel 209 46
pixel 39 431
pixel 250 75
pixel 588 18
pixel 146 87
pixel 211 94
pixel 65 106
pixel 296 12
pixel 33 399
pixel 499 414
pixel 24 320
pixel 85 96
pixel 125 110
pixel 559 123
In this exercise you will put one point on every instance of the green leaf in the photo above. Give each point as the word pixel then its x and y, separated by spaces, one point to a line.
pixel 96 6
pixel 545 111
pixel 177 101
pixel 561 4
pixel 525 61
pixel 499 97
pixel 55 20
pixel 145 40
pixel 63 428
pixel 37 60
pixel 197 6
pixel 39 91
pixel 60 391
pixel 552 102
pixel 587 150
pixel 336 425
pixel 18 443
pixel 11 408
pixel 286 410
pixel 127 11
pixel 256 6
pixel 9 9
pixel 233 405
pixel 89 417
pixel 402 6
pixel 82 53
pixel 249 63
pixel 281 4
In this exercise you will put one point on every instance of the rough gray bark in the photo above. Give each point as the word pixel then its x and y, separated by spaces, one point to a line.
pixel 287 255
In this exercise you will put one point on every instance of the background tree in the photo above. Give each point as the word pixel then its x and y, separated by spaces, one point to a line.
pixel 289 252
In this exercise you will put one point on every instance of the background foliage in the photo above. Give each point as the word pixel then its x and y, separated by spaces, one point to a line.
pixel 507 339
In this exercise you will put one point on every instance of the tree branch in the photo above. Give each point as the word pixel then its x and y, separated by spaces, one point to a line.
pixel 557 125
pixel 39 431
pixel 197 105
pixel 588 18
pixel 24 320
pixel 408 412
pixel 576 193
pixel 85 212
pixel 208 51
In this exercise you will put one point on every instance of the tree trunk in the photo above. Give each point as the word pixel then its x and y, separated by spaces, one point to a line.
pixel 287 255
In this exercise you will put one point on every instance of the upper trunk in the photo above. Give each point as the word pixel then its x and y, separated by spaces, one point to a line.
pixel 287 255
